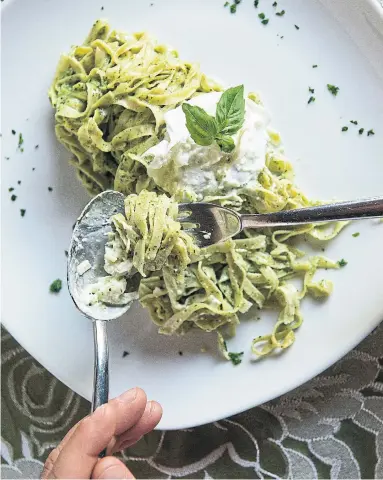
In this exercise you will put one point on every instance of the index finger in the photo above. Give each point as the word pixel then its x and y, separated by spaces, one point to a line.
pixel 80 453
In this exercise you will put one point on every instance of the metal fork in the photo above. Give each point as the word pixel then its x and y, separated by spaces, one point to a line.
pixel 212 223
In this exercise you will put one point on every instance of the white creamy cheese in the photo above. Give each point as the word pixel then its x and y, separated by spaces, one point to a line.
pixel 108 290
pixel 83 267
pixel 179 164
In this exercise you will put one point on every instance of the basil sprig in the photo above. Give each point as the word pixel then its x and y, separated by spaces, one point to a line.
pixel 229 117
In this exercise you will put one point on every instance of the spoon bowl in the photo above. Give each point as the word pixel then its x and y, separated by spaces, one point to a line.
pixel 89 237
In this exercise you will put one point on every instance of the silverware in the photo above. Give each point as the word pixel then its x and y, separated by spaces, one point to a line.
pixel 212 223
pixel 88 243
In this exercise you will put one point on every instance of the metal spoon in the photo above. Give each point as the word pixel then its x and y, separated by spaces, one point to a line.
pixel 88 243
pixel 215 223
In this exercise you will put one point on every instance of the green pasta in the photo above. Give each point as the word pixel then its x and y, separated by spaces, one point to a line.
pixel 110 97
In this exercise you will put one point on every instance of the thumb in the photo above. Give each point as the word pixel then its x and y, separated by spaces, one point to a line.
pixel 111 467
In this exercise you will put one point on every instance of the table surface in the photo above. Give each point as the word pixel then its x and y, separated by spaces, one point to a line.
pixel 330 427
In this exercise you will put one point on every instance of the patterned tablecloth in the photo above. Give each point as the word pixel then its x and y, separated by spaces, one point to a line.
pixel 331 427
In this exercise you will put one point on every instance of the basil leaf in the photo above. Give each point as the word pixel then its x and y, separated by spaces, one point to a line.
pixel 230 112
pixel 202 127
pixel 226 143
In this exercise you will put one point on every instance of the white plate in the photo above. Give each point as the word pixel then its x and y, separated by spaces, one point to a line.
pixel 197 387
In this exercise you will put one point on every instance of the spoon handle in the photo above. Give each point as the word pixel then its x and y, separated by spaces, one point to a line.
pixel 101 367
pixel 355 210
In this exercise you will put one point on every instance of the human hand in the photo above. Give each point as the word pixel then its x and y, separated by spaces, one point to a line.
pixel 115 426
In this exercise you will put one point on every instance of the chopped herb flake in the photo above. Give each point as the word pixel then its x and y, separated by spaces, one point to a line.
pixel 33 169
pixel 311 90
pixel 19 182
pixel 360 131
pixel 21 141
pixel 344 129
pixel 296 26
pixel 315 66
pixel 275 4
pixel 332 89
pixel 22 211
pixel 281 13
pixel 256 3
pixel 356 234
pixel 10 189
pixel 233 8
pixel 311 99
pixel 235 357
pixel 56 286
pixel 50 189
pixel 36 147
pixel 13 132
pixel 342 262
pixel 13 197
pixel 265 21
pixel 125 354
pixel 180 353
pixel 261 15
pixel 7 158
pixel 102 8
pixel 66 252
pixel 354 122
pixel 370 132
pixel 226 4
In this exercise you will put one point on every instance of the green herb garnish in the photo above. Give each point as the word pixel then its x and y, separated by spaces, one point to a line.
pixel 296 26
pixel 22 211
pixel 235 357
pixel 226 4
pixel 233 8
pixel 13 132
pixel 311 99
pixel 261 15
pixel 311 90
pixel 13 197
pixel 356 234
pixel 360 131
pixel 315 66
pixel 275 4
pixel 21 141
pixel 342 262
pixel 281 13
pixel 344 129
pixel 230 115
pixel 354 122
pixel 333 89
pixel 50 189
pixel 256 3
pixel 370 132
pixel 56 286
pixel 265 21
pixel 10 189
pixel 19 182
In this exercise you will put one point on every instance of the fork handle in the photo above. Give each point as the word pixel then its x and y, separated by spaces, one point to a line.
pixel 355 210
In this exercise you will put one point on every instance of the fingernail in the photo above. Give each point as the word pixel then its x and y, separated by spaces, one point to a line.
pixel 129 396
pixel 150 406
pixel 115 471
